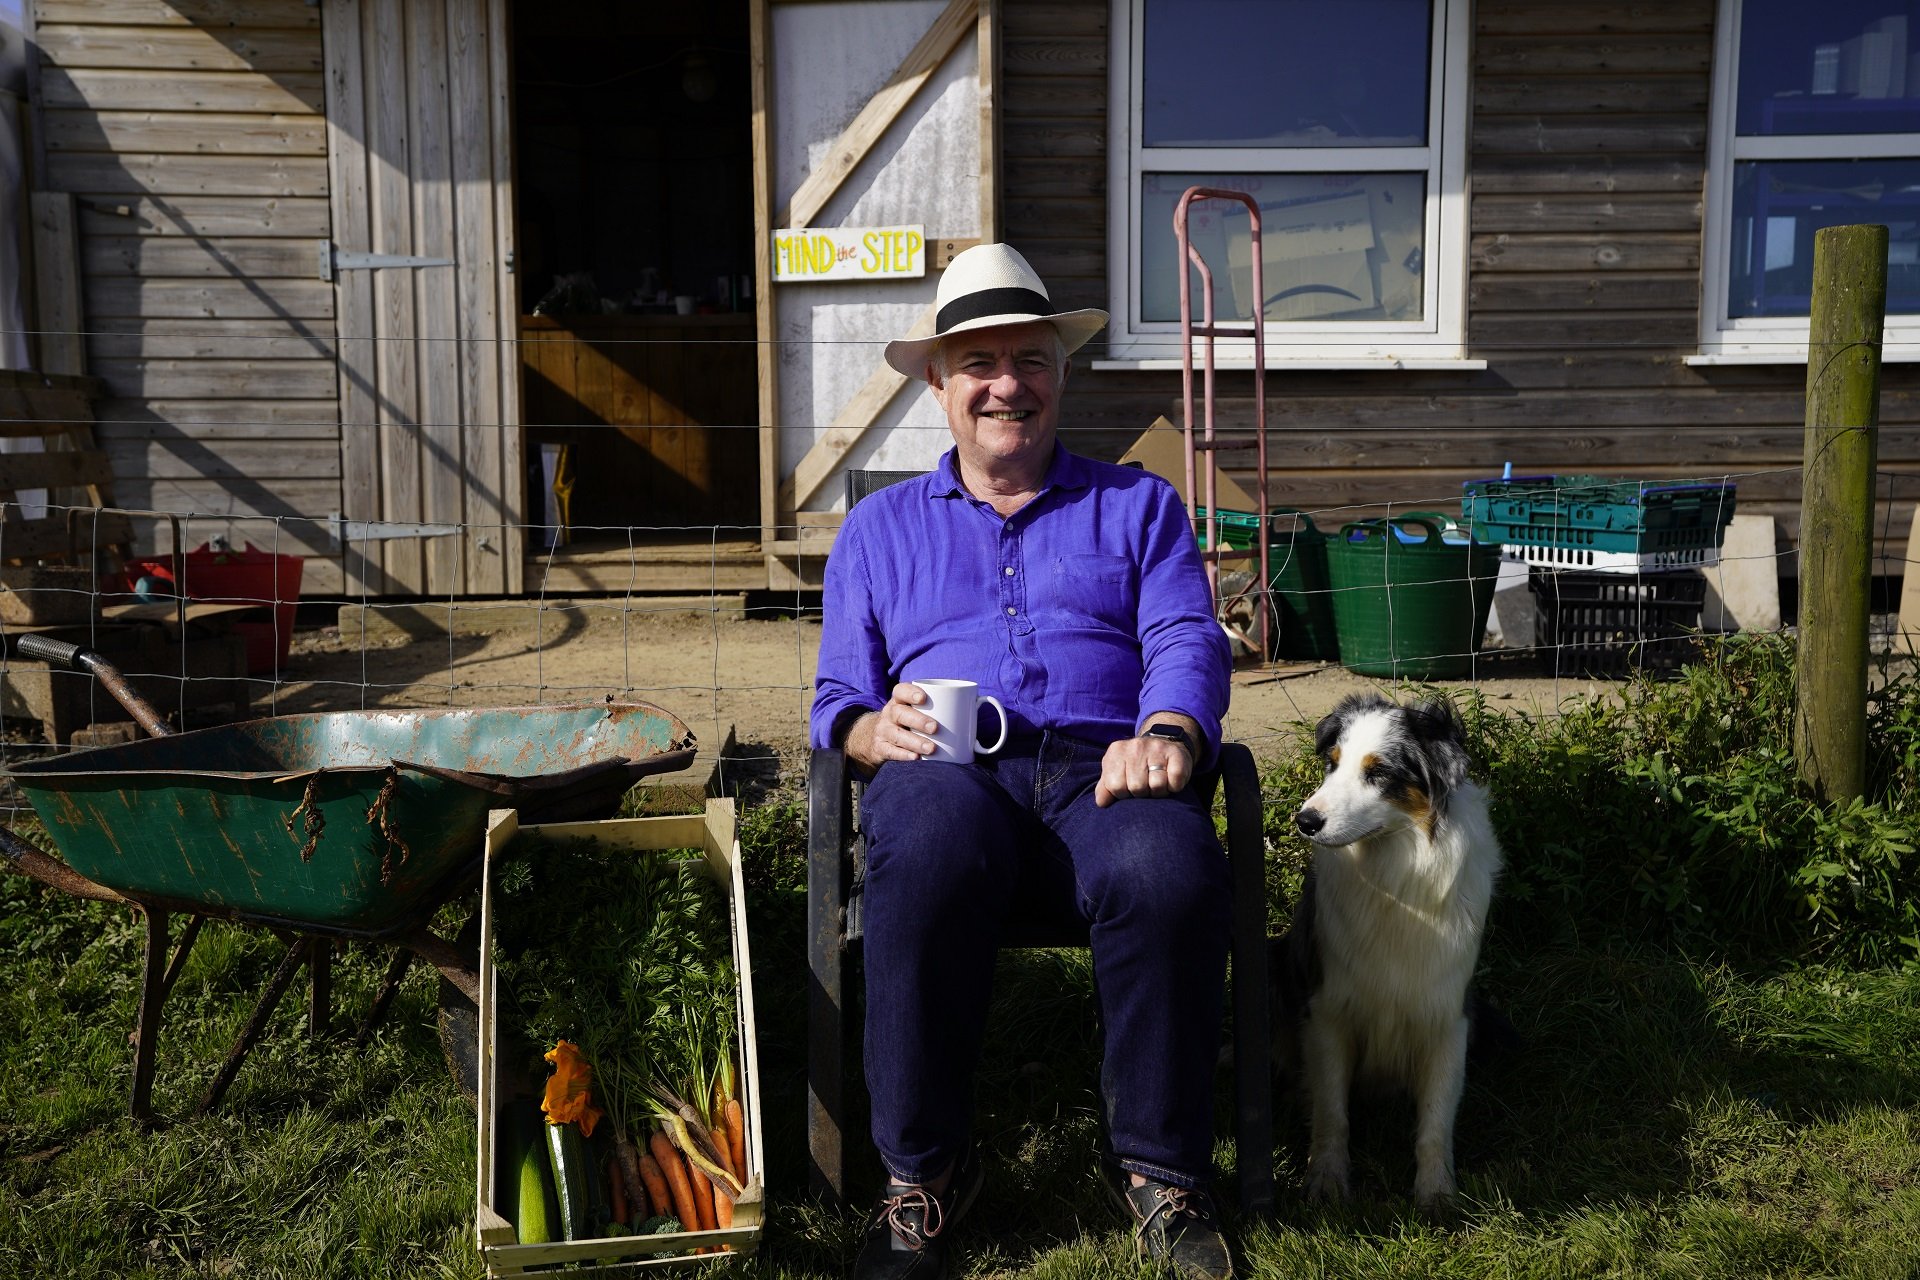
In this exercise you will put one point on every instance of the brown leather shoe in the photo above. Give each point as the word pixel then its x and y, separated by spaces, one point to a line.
pixel 1177 1227
pixel 910 1232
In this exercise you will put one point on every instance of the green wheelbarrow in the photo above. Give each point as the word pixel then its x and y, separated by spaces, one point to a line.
pixel 323 827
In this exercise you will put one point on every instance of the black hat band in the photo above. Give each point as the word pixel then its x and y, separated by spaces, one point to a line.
pixel 991 302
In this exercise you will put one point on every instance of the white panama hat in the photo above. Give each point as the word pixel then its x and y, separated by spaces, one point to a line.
pixel 984 287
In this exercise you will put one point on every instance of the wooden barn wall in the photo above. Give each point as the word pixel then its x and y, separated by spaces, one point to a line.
pixel 1588 163
pixel 192 136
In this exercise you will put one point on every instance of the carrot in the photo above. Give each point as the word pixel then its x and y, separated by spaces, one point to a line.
pixel 629 1158
pixel 722 1209
pixel 617 1190
pixel 703 1194
pixel 656 1184
pixel 737 1136
pixel 675 1171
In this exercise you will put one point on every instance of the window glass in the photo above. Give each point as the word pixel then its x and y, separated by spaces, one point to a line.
pixel 1839 66
pixel 1334 246
pixel 1779 204
pixel 1293 73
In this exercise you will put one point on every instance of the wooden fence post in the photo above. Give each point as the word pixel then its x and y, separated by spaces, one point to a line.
pixel 1836 513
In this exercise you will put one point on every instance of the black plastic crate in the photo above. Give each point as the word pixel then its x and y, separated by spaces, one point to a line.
pixel 1606 624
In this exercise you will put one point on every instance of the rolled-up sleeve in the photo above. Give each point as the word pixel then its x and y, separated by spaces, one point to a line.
pixel 852 672
pixel 1188 660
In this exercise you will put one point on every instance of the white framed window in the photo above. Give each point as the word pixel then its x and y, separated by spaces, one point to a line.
pixel 1815 123
pixel 1346 120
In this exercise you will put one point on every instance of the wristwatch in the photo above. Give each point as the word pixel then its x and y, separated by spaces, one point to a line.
pixel 1172 733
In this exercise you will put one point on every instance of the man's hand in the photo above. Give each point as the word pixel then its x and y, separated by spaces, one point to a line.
pixel 894 732
pixel 1143 766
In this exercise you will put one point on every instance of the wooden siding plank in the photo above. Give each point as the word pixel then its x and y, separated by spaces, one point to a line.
pixel 259 460
pixel 1620 55
pixel 1584 252
pixel 353 290
pixel 213 379
pixel 1056 98
pixel 72 468
pixel 156 339
pixel 58 312
pixel 1055 55
pixel 1529 17
pixel 1035 176
pixel 396 360
pixel 1567 291
pixel 1562 95
pixel 235 418
pixel 179 48
pixel 1059 140
pixel 213 299
pixel 1576 175
pixel 216 431
pixel 212 216
pixel 185 133
pixel 477 310
pixel 1574 449
pixel 430 168
pixel 206 14
pixel 1557 135
pixel 1587 334
pixel 188 175
pixel 1586 213
pixel 846 151
pixel 285 92
pixel 1032 19
pixel 1700 410
pixel 223 258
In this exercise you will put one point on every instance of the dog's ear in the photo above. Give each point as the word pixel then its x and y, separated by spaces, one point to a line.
pixel 1443 747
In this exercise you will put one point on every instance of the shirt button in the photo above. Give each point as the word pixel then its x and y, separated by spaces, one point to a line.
pixel 1011 611
pixel 1008 571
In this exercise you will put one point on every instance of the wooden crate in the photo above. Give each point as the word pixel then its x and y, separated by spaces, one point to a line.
pixel 500 1250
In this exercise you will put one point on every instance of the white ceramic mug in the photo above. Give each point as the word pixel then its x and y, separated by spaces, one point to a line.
pixel 952 704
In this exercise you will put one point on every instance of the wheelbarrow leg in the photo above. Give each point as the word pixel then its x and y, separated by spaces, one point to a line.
pixel 180 949
pixel 153 991
pixel 283 977
pixel 383 999
pixel 320 998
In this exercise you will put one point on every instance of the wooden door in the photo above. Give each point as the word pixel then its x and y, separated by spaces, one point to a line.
pixel 418 145
pixel 867 118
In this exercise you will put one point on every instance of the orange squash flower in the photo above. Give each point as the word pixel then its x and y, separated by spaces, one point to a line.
pixel 570 1089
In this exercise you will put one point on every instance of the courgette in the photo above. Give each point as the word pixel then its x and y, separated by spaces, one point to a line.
pixel 568 1152
pixel 536 1212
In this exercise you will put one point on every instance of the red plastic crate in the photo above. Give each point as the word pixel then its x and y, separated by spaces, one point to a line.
pixel 249 576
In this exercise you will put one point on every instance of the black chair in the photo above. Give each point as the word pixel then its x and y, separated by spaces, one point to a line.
pixel 836 863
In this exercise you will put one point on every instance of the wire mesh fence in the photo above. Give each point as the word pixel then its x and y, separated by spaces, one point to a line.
pixel 207 621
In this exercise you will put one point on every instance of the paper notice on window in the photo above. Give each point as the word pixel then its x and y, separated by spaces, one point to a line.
pixel 1313 255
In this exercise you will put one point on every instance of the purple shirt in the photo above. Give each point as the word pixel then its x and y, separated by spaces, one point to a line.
pixel 1085 611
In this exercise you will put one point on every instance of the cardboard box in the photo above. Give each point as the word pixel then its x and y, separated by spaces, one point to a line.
pixel 500 1251
pixel 1162 449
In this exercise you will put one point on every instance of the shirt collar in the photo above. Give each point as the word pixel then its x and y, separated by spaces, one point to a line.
pixel 1067 470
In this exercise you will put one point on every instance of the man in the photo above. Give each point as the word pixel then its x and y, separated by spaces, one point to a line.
pixel 1074 592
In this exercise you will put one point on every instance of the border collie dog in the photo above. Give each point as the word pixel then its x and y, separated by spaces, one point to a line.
pixel 1373 976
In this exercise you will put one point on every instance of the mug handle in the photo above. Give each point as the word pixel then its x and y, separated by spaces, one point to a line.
pixel 999 742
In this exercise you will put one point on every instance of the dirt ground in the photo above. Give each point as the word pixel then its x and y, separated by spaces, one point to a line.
pixel 745 680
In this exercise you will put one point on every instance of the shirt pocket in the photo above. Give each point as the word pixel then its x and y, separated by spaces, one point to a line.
pixel 1097 588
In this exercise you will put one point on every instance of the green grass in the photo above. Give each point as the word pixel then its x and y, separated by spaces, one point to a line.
pixel 1675 1112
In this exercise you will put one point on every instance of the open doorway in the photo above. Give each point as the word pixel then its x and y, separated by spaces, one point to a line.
pixel 634 185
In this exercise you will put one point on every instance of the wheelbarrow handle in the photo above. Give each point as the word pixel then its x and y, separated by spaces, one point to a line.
pixel 59 653
pixel 55 653
pixel 28 860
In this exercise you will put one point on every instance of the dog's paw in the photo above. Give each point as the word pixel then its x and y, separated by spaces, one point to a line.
pixel 1434 1192
pixel 1328 1184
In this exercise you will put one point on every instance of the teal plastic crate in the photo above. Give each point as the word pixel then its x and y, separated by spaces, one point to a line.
pixel 1588 513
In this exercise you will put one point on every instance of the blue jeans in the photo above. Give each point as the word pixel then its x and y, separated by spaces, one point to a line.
pixel 949 848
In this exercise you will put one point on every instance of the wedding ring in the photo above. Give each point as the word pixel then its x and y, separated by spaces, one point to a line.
pixel 1156 768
